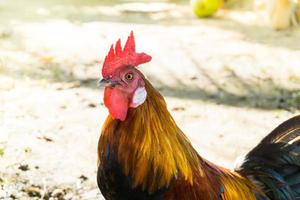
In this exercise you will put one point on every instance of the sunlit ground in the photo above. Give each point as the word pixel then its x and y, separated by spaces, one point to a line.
pixel 228 81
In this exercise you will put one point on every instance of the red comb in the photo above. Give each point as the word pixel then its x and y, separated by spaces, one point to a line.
pixel 117 58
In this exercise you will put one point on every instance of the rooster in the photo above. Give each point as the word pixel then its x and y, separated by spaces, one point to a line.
pixel 143 154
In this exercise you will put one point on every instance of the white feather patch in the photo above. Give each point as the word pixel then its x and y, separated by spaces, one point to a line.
pixel 139 97
pixel 239 161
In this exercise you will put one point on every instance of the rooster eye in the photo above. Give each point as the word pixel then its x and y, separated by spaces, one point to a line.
pixel 129 76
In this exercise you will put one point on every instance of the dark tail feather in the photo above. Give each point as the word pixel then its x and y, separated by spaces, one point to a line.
pixel 274 164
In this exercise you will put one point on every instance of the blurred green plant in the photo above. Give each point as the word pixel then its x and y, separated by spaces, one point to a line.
pixel 239 4
pixel 298 12
pixel 295 100
pixel 2 151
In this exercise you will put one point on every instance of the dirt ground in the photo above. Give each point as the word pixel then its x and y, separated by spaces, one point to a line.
pixel 228 81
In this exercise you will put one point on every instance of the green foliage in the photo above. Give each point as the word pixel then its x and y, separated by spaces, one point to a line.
pixel 2 151
pixel 298 12
pixel 239 4
pixel 295 100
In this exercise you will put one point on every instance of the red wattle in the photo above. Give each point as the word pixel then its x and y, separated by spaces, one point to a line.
pixel 116 102
pixel 106 97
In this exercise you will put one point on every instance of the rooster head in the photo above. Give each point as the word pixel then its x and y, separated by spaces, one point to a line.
pixel 124 84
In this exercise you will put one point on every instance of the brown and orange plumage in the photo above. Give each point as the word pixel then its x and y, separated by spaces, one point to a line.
pixel 145 155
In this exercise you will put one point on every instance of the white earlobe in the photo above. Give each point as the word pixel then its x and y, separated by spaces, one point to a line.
pixel 139 97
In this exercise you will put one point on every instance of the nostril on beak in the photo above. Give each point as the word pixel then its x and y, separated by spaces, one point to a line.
pixel 103 83
pixel 107 82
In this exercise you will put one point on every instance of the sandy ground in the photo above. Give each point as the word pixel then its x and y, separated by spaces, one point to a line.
pixel 228 82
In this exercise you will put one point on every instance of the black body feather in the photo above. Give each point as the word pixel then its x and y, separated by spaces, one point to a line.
pixel 274 164
pixel 114 185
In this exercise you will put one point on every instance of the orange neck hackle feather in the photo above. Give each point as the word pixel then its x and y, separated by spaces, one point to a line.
pixel 153 151
pixel 237 187
pixel 150 146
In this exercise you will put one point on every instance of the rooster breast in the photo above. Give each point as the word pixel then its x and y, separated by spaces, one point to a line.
pixel 115 185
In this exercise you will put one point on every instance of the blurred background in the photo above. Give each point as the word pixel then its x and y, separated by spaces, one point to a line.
pixel 229 70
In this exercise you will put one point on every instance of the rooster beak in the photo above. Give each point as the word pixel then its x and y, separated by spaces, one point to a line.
pixel 107 83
